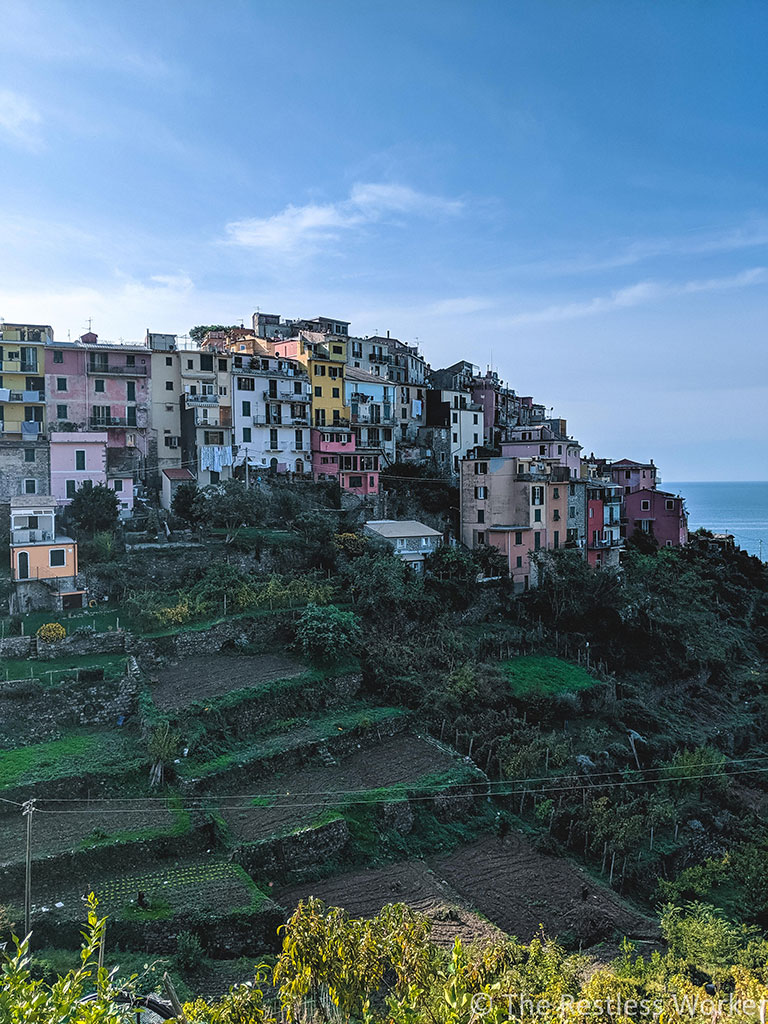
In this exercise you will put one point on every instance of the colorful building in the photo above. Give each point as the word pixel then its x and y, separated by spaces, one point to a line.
pixel 271 413
pixel 659 514
pixel 372 415
pixel 23 423
pixel 335 457
pixel 604 541
pixel 633 476
pixel 43 562
pixel 206 414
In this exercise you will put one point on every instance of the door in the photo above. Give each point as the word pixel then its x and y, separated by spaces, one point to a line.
pixel 23 563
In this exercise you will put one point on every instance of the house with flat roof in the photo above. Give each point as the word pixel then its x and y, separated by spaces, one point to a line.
pixel 410 540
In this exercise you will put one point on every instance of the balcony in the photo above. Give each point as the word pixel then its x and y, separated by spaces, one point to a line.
pixel 114 370
pixel 285 396
pixel 191 401
pixel 26 397
pixel 300 421
pixel 32 537
pixel 99 422
pixel 264 421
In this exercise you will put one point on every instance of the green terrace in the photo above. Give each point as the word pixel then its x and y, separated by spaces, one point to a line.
pixel 54 670
pixel 77 752
pixel 547 676
pixel 292 735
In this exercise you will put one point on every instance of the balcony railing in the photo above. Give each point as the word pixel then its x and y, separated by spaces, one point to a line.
pixel 285 396
pixel 28 397
pixel 32 537
pixel 114 370
pixel 197 400
pixel 112 421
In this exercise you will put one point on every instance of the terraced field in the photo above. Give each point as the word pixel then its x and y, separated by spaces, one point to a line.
pixel 298 798
pixel 194 679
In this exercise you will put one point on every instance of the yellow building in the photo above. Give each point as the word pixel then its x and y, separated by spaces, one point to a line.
pixel 22 380
pixel 43 562
pixel 325 356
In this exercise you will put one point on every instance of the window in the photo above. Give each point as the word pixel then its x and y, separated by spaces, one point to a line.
pixel 476 421
pixel 213 436
pixel 537 515
pixel 627 475
pixel 519 562
pixel 222 365
pixel 61 383
pixel 190 364
pixel 79 459
pixel 58 357
pixel 355 481
pixel 556 540
pixel 537 495
pixel 571 489
pixel 273 438
pixel 518 536
pixel 542 449
pixel 591 513
pixel 98 385
pixel 537 541
pixel 669 504
pixel 130 390
pixel 130 415
pixel 475 438
pixel 556 514
pixel 559 449
pixel 61 412
pixel 319 370
pixel 298 440
pixel 118 485
pixel 71 486
pixel 338 350
pixel 571 511
pixel 246 384
pixel 246 408
pixel 455 417
pixel 481 467
pixel 30 487
pixel 57 556
pixel 206 362
pixel 318 391
pixel 481 515
pixel 297 387
pixel 169 360
pixel 246 435
pixel 130 360
pixel 645 505
pixel 455 438
pixel 555 492
pixel 29 454
pixel 481 492
pixel 335 393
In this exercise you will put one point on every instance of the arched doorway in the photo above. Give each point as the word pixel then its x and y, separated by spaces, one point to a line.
pixel 273 465
pixel 23 564
pixel 299 467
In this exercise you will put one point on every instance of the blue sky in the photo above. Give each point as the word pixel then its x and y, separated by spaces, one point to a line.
pixel 575 191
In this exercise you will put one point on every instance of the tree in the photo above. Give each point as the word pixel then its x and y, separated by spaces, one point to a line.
pixel 327 634
pixel 385 588
pixel 199 332
pixel 94 508
pixel 183 504
pixel 230 505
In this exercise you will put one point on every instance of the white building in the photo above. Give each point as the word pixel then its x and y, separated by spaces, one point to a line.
pixel 372 413
pixel 270 413
pixel 410 540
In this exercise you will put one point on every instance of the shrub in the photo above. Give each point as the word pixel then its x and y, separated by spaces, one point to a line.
pixel 189 951
pixel 51 632
pixel 327 634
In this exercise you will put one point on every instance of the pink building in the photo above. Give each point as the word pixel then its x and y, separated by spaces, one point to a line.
pixel 633 476
pixel 335 457
pixel 544 443
pixel 100 386
pixel 658 513
pixel 77 456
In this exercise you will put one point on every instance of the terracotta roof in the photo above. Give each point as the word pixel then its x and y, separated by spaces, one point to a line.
pixel 178 474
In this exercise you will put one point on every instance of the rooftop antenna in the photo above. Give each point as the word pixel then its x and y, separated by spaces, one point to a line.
pixel 90 321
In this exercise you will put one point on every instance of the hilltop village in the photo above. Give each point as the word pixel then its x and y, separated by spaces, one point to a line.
pixel 291 616
pixel 298 401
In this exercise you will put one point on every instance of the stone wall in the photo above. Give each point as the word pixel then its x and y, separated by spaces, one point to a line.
pixel 303 849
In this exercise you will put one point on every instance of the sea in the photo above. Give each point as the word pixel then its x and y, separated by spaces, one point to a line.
pixel 737 508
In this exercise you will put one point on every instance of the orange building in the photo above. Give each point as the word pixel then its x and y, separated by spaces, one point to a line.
pixel 43 562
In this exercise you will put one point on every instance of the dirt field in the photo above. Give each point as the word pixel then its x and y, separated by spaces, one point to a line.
pixel 511 884
pixel 59 832
pixel 195 679
pixel 402 758
pixel 364 893
pixel 519 888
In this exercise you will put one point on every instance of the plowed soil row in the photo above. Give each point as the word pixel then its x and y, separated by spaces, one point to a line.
pixel 305 793
pixel 195 679
pixel 516 887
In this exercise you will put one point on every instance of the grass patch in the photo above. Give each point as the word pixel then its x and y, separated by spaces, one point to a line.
pixel 100 620
pixel 53 670
pixel 540 674
pixel 73 755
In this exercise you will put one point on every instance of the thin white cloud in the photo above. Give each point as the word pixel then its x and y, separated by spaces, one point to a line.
pixel 19 120
pixel 638 294
pixel 626 252
pixel 298 227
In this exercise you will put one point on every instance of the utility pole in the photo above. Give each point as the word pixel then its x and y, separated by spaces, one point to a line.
pixel 27 810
